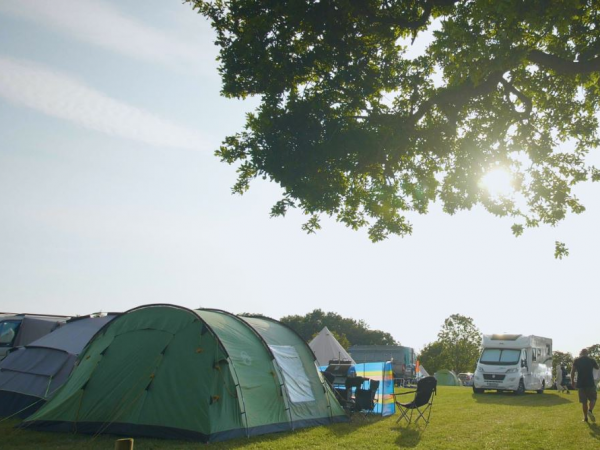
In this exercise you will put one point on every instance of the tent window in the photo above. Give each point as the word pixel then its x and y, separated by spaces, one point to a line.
pixel 294 375
pixel 8 332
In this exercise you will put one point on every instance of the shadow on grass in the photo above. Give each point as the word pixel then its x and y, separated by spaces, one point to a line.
pixel 527 399
pixel 22 438
pixel 354 425
pixel 410 435
pixel 338 431
pixel 594 431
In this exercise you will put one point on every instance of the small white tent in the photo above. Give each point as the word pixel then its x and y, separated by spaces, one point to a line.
pixel 326 347
pixel 422 373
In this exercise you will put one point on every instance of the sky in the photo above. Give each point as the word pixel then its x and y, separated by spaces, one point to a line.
pixel 111 197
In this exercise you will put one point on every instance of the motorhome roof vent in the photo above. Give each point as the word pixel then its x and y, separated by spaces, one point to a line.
pixel 505 337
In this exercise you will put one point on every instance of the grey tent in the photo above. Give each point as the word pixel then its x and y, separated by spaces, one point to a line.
pixel 21 329
pixel 29 375
pixel 326 348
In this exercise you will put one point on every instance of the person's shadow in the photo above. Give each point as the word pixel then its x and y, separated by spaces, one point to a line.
pixel 594 430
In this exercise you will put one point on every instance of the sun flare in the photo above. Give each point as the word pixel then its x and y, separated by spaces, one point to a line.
pixel 498 182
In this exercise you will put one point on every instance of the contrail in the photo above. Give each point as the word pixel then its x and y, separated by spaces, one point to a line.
pixel 101 24
pixel 56 94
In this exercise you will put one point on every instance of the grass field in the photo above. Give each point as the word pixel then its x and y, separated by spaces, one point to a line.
pixel 460 420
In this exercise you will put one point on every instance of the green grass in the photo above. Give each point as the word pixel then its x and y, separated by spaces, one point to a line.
pixel 460 420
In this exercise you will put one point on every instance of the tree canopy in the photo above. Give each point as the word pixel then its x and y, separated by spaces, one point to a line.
pixel 433 357
pixel 352 127
pixel 350 331
pixel 561 359
pixel 461 340
pixel 457 347
pixel 594 351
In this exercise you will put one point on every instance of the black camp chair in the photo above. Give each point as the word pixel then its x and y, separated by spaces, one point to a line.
pixel 422 403
pixel 364 399
pixel 345 396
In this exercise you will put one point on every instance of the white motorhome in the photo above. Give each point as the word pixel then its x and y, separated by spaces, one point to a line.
pixel 513 362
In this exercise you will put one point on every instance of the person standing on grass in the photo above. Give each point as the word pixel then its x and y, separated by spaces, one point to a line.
pixel 584 366
pixel 565 382
pixel 561 379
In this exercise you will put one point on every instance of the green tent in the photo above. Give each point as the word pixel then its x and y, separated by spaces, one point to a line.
pixel 169 372
pixel 447 377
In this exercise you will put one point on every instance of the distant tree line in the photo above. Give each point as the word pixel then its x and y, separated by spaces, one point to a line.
pixel 347 331
pixel 566 359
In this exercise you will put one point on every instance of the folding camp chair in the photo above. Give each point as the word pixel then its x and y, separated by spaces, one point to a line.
pixel 422 403
pixel 364 399
pixel 351 385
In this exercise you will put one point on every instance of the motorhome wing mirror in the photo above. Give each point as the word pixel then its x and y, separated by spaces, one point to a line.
pixel 523 363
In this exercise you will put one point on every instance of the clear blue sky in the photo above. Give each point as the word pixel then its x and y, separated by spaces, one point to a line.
pixel 111 197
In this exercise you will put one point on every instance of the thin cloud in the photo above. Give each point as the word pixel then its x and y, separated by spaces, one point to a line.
pixel 103 25
pixel 59 95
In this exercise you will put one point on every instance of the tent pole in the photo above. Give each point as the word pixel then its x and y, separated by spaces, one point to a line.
pixel 242 402
pixel 284 391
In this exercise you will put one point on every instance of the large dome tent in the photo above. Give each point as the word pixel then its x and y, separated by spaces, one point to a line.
pixel 170 372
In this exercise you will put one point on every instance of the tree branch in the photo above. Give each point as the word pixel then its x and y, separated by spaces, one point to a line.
pixel 457 96
pixel 414 24
pixel 563 66
pixel 526 100
pixel 428 6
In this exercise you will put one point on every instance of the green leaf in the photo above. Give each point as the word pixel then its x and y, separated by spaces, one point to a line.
pixel 560 250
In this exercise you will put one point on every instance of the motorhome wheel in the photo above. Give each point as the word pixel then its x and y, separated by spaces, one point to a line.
pixel 521 389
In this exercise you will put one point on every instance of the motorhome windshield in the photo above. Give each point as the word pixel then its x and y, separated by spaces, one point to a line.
pixel 500 356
